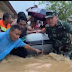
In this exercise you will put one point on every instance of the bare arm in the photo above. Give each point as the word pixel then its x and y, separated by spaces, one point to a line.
pixel 31 48
pixel 28 9
pixel 41 31
pixel 30 30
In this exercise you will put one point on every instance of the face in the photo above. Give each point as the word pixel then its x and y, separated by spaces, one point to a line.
pixel 52 21
pixel 22 24
pixel 9 20
pixel 14 35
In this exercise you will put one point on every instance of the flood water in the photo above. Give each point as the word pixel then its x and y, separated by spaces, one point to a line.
pixel 42 63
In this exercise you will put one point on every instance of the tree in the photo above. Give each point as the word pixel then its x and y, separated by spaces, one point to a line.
pixel 63 8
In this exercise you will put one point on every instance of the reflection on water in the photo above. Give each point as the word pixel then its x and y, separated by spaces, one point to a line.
pixel 42 63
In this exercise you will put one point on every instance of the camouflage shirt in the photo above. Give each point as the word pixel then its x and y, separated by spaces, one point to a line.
pixel 60 34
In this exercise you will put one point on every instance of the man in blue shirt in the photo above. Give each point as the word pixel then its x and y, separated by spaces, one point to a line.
pixel 10 40
pixel 22 23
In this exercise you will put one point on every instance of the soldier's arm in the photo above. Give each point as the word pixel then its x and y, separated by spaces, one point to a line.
pixel 68 27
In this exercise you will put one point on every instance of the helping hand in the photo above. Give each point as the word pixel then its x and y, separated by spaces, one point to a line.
pixel 39 51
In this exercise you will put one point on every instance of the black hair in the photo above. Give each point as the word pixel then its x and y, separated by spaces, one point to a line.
pixel 36 5
pixel 21 14
pixel 21 18
pixel 13 27
pixel 6 15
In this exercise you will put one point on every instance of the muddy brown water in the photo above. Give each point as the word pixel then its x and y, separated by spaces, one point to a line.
pixel 42 63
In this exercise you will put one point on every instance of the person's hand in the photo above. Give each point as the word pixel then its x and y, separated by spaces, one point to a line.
pixel 34 31
pixel 38 31
pixel 39 51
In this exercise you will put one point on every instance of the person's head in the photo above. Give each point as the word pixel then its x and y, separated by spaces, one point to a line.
pixel 15 16
pixel 22 22
pixel 35 6
pixel 51 18
pixel 15 32
pixel 7 18
pixel 33 22
pixel 21 14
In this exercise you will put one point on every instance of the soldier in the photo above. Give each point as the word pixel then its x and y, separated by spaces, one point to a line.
pixel 58 32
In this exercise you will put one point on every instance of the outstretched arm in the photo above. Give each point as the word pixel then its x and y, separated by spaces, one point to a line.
pixel 41 31
pixel 31 48
pixel 30 30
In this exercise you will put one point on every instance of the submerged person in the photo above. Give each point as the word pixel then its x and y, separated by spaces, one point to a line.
pixel 22 23
pixel 10 40
pixel 58 32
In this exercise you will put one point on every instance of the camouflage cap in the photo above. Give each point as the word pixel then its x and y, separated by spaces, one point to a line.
pixel 50 14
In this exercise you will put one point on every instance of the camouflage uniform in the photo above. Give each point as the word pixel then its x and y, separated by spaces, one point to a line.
pixel 60 36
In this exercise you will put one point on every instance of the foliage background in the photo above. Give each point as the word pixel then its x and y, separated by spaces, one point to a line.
pixel 63 8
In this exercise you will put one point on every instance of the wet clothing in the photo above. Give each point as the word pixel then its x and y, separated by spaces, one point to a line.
pixel 59 35
pixel 6 44
pixel 3 28
pixel 20 51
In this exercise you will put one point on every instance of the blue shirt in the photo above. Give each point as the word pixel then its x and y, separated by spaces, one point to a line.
pixel 6 44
